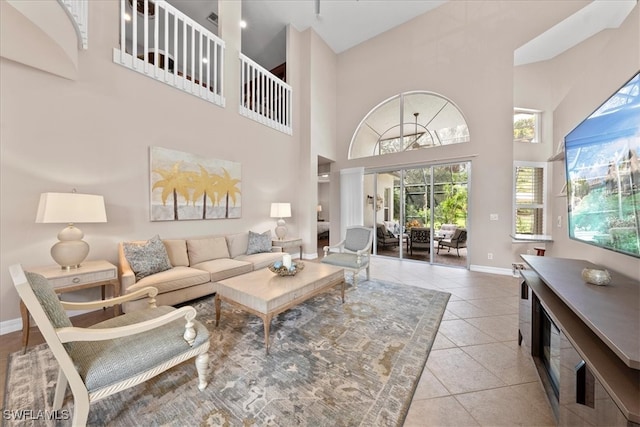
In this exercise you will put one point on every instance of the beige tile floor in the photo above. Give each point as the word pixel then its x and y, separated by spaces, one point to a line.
pixel 476 374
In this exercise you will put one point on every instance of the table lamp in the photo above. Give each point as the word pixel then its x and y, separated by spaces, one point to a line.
pixel 70 208
pixel 319 209
pixel 281 210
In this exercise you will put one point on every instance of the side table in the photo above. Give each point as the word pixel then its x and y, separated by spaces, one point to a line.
pixel 288 243
pixel 89 275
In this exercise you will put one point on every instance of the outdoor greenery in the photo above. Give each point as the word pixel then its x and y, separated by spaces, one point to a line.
pixel 449 191
pixel 524 126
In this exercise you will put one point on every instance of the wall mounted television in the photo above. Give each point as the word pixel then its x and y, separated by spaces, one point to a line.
pixel 602 160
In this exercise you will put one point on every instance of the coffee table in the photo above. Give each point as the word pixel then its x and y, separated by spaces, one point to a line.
pixel 266 294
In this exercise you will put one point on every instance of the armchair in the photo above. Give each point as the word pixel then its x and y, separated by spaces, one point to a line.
pixel 457 241
pixel 384 237
pixel 352 253
pixel 420 238
pixel 446 231
pixel 116 354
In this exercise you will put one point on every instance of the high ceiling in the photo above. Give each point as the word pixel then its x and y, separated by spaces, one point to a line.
pixel 343 24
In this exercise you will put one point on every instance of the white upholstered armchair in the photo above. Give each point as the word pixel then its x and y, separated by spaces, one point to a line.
pixel 116 354
pixel 352 253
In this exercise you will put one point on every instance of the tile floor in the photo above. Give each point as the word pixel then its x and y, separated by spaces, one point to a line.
pixel 476 374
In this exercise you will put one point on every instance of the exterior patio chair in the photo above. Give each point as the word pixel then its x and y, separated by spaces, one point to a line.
pixel 116 354
pixel 457 241
pixel 353 253
pixel 419 238
pixel 384 237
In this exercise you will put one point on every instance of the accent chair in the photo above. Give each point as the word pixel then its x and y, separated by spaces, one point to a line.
pixel 457 241
pixel 353 252
pixel 116 354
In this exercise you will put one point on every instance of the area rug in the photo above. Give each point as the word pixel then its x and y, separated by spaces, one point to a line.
pixel 329 364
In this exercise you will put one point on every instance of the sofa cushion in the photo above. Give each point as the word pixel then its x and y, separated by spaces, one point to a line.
pixel 262 259
pixel 146 258
pixel 206 249
pixel 177 251
pixel 223 268
pixel 173 279
pixel 259 242
pixel 237 244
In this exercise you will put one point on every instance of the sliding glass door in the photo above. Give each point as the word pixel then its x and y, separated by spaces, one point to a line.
pixel 417 212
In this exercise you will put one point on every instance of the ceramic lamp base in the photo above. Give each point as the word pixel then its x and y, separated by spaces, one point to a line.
pixel 71 250
pixel 281 229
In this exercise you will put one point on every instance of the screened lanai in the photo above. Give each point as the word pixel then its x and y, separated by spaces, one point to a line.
pixel 416 209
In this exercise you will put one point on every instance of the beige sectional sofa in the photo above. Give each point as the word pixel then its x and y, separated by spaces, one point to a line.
pixel 196 264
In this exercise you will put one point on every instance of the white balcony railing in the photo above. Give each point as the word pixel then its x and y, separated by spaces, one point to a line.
pixel 158 40
pixel 264 97
pixel 78 11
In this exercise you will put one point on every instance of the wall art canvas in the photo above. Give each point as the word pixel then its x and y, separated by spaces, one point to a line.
pixel 185 186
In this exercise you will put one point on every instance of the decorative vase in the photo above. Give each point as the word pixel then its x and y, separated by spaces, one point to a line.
pixel 596 277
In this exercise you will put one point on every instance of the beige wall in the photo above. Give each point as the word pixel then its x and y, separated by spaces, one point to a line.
pixel 568 88
pixel 464 51
pixel 613 58
pixel 94 135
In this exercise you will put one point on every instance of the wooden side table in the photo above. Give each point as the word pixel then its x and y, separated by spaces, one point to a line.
pixel 288 243
pixel 89 275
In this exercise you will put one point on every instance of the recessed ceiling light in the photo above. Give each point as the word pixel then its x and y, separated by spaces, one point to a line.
pixel 243 24
pixel 205 60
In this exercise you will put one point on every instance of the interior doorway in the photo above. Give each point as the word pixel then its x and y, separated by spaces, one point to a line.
pixel 323 204
pixel 420 213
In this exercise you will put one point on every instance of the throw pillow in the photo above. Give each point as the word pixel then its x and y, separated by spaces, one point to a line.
pixel 237 244
pixel 259 243
pixel 147 258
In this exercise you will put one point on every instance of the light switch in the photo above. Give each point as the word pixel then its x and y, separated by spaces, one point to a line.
pixel 493 217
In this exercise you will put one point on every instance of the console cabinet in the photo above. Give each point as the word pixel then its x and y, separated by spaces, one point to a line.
pixel 583 398
pixel 595 363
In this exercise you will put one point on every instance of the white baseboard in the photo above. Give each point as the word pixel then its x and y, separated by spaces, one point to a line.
pixel 10 325
pixel 492 270
pixel 13 325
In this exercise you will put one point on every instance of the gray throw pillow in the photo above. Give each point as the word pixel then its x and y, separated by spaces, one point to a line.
pixel 259 243
pixel 147 258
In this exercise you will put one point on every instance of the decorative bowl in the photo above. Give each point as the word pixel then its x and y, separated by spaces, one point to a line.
pixel 281 270
pixel 596 277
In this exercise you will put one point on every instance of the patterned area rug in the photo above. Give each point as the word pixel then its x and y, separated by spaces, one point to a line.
pixel 330 364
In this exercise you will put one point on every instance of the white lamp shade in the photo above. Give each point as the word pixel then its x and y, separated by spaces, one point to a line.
pixel 319 208
pixel 70 208
pixel 280 210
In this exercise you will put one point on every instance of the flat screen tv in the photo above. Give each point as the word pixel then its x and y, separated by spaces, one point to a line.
pixel 602 159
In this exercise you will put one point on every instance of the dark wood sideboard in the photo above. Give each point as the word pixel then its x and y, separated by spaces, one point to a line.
pixel 595 341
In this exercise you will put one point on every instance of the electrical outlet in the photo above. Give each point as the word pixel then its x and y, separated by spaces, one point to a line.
pixel 559 221
pixel 489 255
pixel 528 251
pixel 493 217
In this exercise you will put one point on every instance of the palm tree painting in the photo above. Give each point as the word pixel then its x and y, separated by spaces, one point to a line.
pixel 185 186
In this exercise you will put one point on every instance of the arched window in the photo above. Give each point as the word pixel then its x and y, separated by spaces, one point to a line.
pixel 409 121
